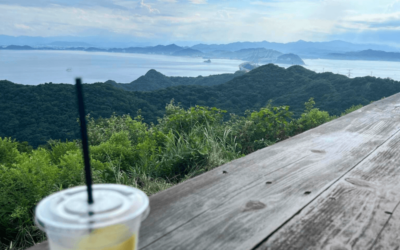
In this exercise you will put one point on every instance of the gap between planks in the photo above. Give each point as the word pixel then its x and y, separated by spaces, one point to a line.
pixel 340 223
pixel 187 218
pixel 379 108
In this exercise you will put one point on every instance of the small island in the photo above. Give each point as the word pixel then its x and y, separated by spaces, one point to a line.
pixel 247 66
pixel 207 61
pixel 289 59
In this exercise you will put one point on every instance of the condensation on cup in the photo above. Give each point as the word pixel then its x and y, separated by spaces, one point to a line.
pixel 112 222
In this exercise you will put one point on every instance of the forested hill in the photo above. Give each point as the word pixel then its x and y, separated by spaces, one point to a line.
pixel 154 80
pixel 39 113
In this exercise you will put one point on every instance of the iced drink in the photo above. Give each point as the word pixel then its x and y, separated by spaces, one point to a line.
pixel 112 222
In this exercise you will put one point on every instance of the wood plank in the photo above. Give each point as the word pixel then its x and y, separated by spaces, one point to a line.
pixel 238 209
pixel 389 237
pixel 355 213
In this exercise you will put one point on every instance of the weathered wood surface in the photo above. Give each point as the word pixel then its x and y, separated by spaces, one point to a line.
pixel 355 213
pixel 238 210
pixel 326 188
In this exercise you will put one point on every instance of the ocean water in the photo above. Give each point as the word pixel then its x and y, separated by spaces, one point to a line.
pixel 36 67
pixel 353 68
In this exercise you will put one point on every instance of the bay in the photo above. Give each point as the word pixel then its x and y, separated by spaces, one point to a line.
pixel 38 66
pixel 355 68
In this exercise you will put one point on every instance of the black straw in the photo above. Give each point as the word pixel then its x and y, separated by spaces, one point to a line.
pixel 85 145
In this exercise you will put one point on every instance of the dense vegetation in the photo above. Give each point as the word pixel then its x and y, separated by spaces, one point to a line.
pixel 39 113
pixel 154 80
pixel 128 151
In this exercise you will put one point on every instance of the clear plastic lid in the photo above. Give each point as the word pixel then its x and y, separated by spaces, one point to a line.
pixel 69 210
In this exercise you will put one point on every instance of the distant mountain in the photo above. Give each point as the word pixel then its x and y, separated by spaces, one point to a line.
pixel 369 55
pixel 17 47
pixel 69 44
pixel 255 52
pixel 302 48
pixel 94 49
pixel 188 52
pixel 247 66
pixel 255 55
pixel 48 111
pixel 154 80
pixel 171 49
pixel 259 55
pixel 159 49
pixel 289 59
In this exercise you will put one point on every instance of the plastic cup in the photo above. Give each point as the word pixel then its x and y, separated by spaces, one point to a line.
pixel 112 222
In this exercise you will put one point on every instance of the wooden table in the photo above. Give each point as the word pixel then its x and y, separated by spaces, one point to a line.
pixel 333 187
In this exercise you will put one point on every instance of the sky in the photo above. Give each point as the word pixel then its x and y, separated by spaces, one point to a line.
pixel 206 21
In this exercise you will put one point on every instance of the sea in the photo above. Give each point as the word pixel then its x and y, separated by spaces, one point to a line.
pixel 354 68
pixel 38 67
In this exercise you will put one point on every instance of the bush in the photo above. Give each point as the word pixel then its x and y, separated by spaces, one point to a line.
pixel 351 109
pixel 312 117
pixel 127 151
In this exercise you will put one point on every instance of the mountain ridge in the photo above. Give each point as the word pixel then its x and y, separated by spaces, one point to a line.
pixel 154 80
pixel 48 111
pixel 261 55
pixel 367 55
pixel 304 49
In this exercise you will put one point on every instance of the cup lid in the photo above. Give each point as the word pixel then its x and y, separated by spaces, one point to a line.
pixel 69 209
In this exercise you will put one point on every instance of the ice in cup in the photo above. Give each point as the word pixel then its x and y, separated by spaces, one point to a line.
pixel 112 222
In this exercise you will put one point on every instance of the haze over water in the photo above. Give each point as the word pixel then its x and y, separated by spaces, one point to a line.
pixel 354 68
pixel 36 67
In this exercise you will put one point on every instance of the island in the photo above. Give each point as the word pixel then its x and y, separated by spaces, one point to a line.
pixel 289 59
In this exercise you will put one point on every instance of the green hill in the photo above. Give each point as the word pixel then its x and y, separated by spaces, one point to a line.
pixel 154 80
pixel 48 111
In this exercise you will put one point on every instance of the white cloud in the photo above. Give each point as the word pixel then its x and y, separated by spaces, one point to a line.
pixel 392 5
pixel 149 7
pixel 198 1
pixel 263 3
pixel 22 26
pixel 375 18
pixel 212 21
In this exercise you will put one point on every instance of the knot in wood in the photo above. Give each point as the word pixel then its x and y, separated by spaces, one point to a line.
pixel 254 205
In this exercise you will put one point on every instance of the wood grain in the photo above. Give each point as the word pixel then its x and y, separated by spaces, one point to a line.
pixel 355 213
pixel 238 210
pixel 389 237
pixel 272 191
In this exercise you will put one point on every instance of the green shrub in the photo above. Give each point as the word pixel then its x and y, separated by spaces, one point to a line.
pixel 182 121
pixel 127 151
pixel 351 109
pixel 312 117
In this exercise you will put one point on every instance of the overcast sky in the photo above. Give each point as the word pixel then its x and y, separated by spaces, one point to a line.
pixel 207 21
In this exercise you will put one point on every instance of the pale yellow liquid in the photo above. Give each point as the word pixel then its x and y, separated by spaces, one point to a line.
pixel 128 244
pixel 108 238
